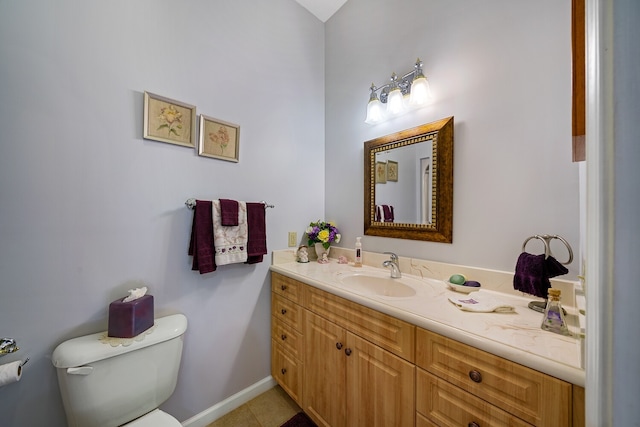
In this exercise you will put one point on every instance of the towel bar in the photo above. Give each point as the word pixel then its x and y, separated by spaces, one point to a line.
pixel 191 203
pixel 546 239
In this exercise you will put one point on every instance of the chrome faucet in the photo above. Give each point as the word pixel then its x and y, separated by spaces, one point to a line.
pixel 393 264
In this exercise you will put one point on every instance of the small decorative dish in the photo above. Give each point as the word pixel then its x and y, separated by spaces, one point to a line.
pixel 468 287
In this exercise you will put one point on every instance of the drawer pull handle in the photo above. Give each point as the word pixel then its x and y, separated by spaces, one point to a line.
pixel 476 377
pixel 283 370
pixel 474 424
pixel 283 287
pixel 283 336
pixel 339 345
pixel 347 351
pixel 283 311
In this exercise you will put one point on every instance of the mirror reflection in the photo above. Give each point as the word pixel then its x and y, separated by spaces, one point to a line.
pixel 409 183
pixel 405 195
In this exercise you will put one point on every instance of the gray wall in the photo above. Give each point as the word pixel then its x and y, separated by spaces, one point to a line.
pixel 503 70
pixel 87 205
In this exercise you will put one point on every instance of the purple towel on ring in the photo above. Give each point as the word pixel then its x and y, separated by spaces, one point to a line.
pixel 533 273
pixel 228 213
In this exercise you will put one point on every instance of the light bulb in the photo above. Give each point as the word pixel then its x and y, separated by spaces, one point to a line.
pixel 375 112
pixel 420 91
pixel 395 104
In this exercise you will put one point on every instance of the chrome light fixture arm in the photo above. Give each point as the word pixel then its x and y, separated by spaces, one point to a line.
pixel 404 83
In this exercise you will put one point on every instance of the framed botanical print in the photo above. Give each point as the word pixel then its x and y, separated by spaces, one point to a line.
pixel 392 171
pixel 219 139
pixel 168 120
pixel 381 172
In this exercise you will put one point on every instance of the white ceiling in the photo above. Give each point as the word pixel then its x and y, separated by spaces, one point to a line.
pixel 323 9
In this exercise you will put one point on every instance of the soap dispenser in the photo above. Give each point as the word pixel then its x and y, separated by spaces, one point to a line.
pixel 553 319
pixel 358 260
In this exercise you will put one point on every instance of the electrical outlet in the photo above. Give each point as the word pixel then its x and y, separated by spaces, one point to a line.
pixel 293 239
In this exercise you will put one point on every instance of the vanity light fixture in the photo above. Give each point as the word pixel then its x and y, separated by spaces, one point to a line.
pixel 401 94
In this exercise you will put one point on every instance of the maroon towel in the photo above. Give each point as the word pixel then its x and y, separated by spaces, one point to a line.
pixel 228 213
pixel 388 213
pixel 257 232
pixel 201 244
pixel 533 273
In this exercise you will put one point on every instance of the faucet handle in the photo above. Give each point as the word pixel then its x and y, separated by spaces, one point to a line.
pixel 393 256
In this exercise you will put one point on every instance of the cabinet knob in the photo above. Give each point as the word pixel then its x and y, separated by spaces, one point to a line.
pixel 347 351
pixel 475 376
pixel 283 370
pixel 339 345
pixel 283 336
pixel 283 287
pixel 474 424
pixel 283 311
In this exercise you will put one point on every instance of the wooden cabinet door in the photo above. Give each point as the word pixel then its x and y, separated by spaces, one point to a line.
pixel 380 386
pixel 324 374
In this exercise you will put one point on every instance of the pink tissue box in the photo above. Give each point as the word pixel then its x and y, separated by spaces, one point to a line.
pixel 128 319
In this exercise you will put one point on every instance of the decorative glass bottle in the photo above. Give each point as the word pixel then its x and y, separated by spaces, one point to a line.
pixel 553 319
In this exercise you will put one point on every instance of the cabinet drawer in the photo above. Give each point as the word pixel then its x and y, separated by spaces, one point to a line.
pixel 422 421
pixel 287 371
pixel 287 287
pixel 530 395
pixel 448 406
pixel 290 339
pixel 287 311
pixel 385 331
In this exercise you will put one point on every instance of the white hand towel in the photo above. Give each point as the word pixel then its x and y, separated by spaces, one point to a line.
pixel 230 243
pixel 481 303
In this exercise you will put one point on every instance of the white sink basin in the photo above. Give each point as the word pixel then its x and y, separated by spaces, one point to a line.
pixel 373 284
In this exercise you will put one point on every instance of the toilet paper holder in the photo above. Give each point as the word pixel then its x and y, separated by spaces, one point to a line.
pixel 8 345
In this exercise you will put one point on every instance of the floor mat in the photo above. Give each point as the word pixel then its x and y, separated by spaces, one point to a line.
pixel 299 420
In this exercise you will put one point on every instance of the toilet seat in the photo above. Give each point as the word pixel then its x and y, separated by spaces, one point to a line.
pixel 155 418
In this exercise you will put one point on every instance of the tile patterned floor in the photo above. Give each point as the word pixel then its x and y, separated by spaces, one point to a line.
pixel 270 409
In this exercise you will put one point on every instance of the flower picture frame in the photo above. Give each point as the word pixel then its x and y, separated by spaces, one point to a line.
pixel 219 139
pixel 168 120
pixel 381 172
pixel 392 171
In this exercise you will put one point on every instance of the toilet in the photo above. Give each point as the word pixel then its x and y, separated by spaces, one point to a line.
pixel 106 386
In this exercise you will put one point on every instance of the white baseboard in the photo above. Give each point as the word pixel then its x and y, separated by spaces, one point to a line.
pixel 218 410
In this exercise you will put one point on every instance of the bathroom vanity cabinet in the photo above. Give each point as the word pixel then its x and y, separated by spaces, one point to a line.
pixel 350 365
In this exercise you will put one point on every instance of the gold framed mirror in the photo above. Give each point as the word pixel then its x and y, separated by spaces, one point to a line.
pixel 408 183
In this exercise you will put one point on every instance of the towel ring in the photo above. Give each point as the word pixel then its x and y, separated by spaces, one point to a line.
pixel 546 239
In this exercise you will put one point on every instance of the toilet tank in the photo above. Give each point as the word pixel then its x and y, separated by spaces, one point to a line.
pixel 104 386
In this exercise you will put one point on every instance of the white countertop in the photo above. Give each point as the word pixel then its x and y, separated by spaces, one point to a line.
pixel 513 336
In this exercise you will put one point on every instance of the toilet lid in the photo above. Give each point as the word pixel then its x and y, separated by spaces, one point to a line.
pixel 155 418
